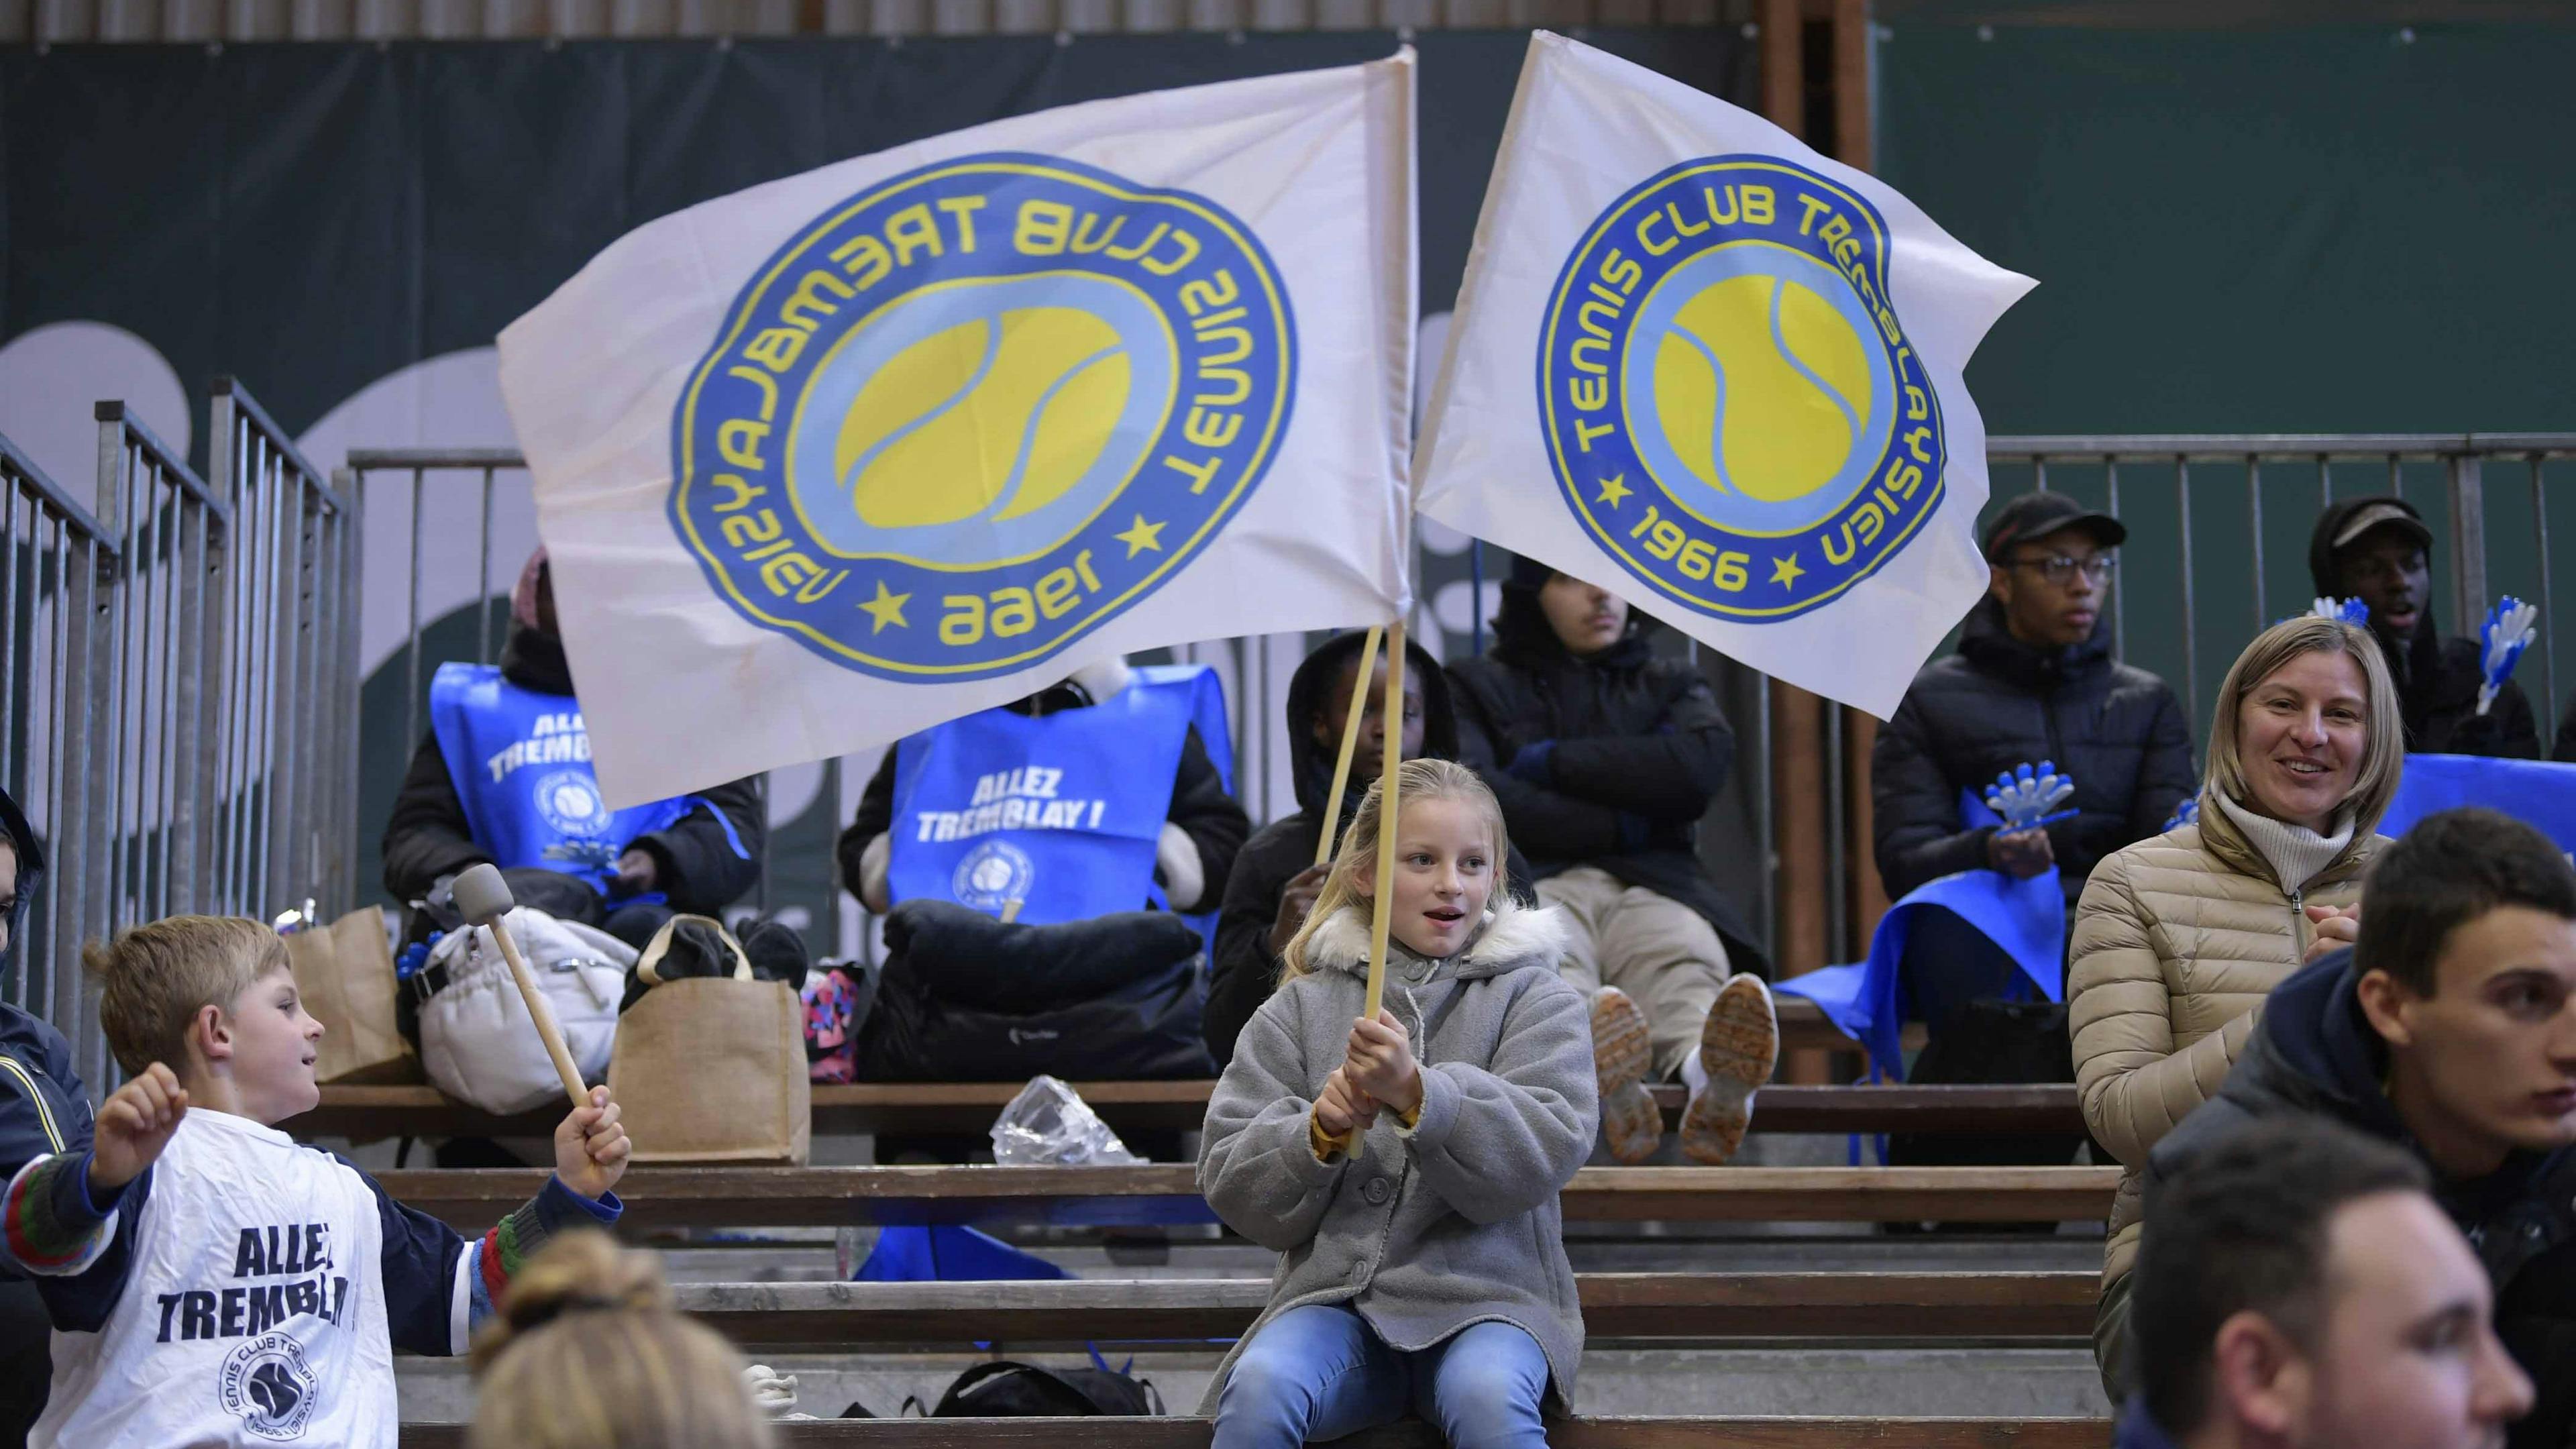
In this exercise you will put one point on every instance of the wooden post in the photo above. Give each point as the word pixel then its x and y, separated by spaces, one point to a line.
pixel 1855 138
pixel 1802 889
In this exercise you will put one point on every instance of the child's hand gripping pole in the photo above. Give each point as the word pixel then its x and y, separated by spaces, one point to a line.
pixel 1382 901
pixel 1330 841
pixel 483 898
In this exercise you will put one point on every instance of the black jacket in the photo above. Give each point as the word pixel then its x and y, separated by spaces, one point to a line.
pixel 43 1108
pixel 1200 806
pixel 695 865
pixel 1635 751
pixel 2437 678
pixel 2314 1051
pixel 2118 732
pixel 1244 970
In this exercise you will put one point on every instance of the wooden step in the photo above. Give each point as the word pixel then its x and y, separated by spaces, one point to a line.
pixel 1174 1432
pixel 660 1198
pixel 835 1317
pixel 363 1114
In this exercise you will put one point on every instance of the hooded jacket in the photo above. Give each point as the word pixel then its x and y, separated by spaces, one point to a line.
pixel 2117 731
pixel 2437 678
pixel 1626 751
pixel 1244 969
pixel 1451 1223
pixel 2315 1052
pixel 1204 828
pixel 43 1107
pixel 695 865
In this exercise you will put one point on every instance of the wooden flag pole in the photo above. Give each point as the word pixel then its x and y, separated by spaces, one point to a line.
pixel 1331 838
pixel 1381 903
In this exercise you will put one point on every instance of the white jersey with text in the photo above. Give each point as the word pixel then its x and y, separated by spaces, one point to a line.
pixel 252 1293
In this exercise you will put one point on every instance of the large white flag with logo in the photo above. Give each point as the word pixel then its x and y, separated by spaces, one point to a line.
pixel 839 457
pixel 1702 366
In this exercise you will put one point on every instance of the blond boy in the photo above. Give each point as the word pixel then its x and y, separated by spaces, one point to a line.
pixel 211 1280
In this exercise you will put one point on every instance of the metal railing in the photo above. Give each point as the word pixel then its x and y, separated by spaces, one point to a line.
pixel 57 658
pixel 172 671
pixel 2232 478
pixel 288 759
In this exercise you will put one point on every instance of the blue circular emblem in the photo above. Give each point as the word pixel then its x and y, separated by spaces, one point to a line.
pixel 978 409
pixel 993 874
pixel 1732 408
pixel 569 801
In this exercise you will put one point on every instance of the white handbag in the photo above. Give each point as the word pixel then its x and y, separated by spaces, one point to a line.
pixel 477 1042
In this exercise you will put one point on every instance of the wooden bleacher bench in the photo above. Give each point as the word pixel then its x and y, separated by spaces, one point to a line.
pixel 1177 1432
pixel 663 1198
pixel 848 1317
pixel 968 1108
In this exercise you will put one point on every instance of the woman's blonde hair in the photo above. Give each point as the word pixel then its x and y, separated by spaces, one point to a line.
pixel 2382 760
pixel 1355 867
pixel 588 1353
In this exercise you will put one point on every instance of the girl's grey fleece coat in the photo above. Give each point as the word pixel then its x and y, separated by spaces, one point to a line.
pixel 1454 1222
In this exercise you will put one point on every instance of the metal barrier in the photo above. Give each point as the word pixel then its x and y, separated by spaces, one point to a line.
pixel 285 760
pixel 176 663
pixel 58 647
pixel 2293 470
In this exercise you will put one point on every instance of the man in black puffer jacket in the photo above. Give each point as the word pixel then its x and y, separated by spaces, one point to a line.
pixel 2375 549
pixel 2033 680
pixel 1604 758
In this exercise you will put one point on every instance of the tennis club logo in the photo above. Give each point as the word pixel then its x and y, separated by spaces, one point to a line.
pixel 1732 407
pixel 978 409
pixel 270 1386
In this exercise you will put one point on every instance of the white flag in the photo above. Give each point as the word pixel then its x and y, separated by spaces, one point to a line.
pixel 843 456
pixel 1700 365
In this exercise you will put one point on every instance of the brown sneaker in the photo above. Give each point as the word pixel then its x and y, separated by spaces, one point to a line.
pixel 1738 1046
pixel 1622 1053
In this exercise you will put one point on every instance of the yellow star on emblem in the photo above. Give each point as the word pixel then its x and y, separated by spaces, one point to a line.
pixel 1141 537
pixel 886 608
pixel 1785 570
pixel 1614 492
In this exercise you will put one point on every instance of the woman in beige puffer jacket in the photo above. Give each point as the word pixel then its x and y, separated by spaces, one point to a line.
pixel 2178 939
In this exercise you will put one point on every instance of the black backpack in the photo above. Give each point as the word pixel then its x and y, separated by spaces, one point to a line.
pixel 1007 1390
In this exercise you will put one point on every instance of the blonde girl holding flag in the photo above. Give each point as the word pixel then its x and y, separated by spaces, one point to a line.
pixel 1407 1164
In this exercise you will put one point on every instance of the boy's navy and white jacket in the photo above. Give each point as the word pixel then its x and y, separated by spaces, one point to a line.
pixel 1453 1221
pixel 247 1290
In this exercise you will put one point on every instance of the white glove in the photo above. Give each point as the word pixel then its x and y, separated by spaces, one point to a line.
pixel 2507 632
pixel 2024 797
pixel 772 1392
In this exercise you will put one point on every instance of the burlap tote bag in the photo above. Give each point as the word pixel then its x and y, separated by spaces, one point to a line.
pixel 345 973
pixel 712 1069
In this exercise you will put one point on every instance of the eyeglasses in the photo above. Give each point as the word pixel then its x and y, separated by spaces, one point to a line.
pixel 2061 570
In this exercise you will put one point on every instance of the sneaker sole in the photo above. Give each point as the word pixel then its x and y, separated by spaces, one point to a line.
pixel 1738 1046
pixel 1622 1052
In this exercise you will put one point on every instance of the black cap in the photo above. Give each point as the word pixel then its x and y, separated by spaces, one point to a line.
pixel 2037 515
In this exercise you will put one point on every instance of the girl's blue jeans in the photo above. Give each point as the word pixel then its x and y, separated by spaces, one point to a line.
pixel 1320 1372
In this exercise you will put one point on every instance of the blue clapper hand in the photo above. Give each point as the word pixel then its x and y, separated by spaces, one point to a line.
pixel 2025 796
pixel 2186 813
pixel 2507 632
pixel 2352 611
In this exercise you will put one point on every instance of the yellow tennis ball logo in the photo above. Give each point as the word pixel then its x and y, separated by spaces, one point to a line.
pixel 995 417
pixel 1761 387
